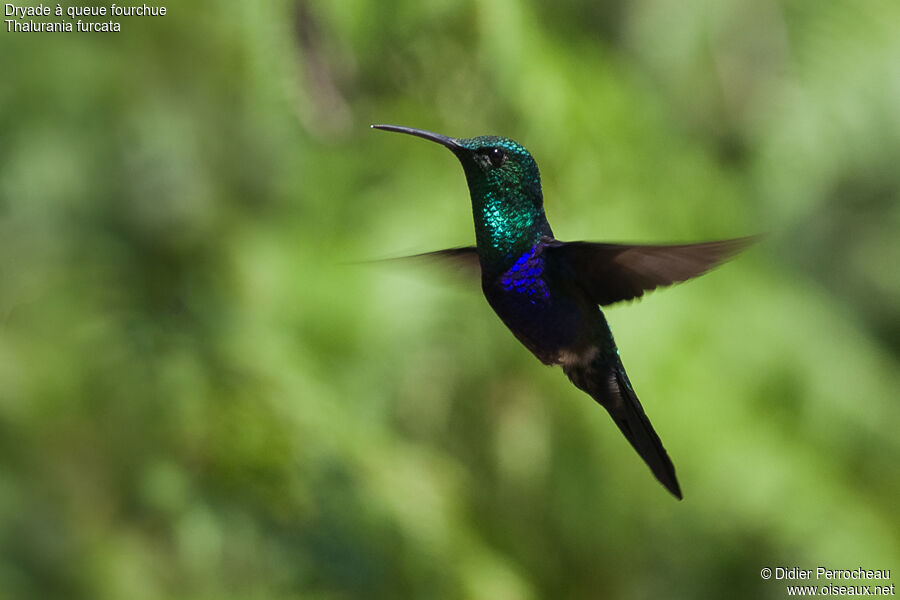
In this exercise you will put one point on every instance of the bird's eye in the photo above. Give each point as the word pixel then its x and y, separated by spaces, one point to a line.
pixel 496 156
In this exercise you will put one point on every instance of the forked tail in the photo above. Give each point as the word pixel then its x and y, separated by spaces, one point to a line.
pixel 600 373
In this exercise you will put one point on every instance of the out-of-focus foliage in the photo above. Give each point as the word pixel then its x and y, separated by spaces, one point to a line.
pixel 202 395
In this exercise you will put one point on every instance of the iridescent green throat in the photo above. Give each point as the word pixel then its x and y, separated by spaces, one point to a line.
pixel 507 203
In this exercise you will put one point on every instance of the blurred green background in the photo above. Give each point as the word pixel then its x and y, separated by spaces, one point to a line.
pixel 203 395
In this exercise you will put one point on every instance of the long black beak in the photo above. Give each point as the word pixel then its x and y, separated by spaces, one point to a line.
pixel 443 140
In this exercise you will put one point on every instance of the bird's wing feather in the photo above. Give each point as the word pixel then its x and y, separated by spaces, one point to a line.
pixel 464 258
pixel 611 273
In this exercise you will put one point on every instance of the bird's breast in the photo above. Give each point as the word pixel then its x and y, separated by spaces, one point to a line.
pixel 526 279
pixel 529 298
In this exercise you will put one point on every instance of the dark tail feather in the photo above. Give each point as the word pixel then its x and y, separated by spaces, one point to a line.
pixel 604 378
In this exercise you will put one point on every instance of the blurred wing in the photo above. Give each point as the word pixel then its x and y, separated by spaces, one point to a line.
pixel 614 272
pixel 464 258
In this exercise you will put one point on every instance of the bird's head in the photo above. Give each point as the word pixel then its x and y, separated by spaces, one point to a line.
pixel 505 187
pixel 494 166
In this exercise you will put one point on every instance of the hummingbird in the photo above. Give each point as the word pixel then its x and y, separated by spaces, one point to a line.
pixel 549 293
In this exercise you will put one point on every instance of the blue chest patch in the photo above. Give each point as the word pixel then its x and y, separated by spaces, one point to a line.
pixel 525 277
